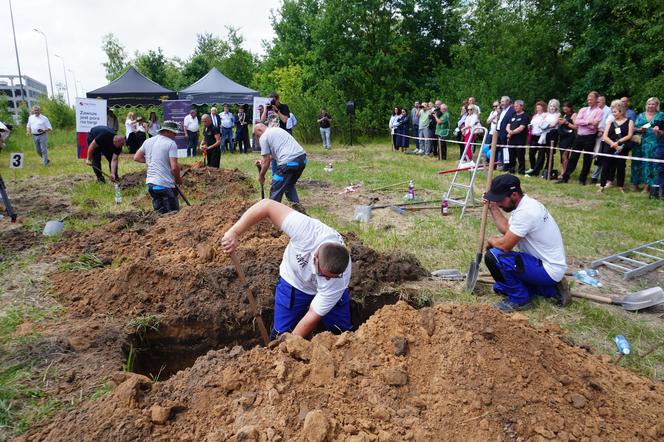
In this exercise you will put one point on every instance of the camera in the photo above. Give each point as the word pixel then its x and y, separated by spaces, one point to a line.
pixel 271 103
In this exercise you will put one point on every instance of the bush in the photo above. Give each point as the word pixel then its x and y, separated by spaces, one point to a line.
pixel 5 113
pixel 58 113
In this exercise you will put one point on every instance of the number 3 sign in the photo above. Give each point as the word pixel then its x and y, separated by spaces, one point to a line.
pixel 16 160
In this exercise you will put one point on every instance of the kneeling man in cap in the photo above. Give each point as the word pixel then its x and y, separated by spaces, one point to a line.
pixel 160 153
pixel 538 268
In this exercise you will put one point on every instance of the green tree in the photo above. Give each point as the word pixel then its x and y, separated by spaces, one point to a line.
pixel 59 114
pixel 155 66
pixel 5 113
pixel 116 55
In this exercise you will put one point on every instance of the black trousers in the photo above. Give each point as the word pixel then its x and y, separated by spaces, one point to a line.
pixel 214 157
pixel 613 167
pixel 242 136
pixel 96 163
pixel 517 154
pixel 585 143
pixel 285 177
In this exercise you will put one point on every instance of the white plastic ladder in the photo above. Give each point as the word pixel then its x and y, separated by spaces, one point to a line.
pixel 460 193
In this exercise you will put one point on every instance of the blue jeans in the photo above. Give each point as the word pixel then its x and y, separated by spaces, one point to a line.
pixel 284 178
pixel 192 142
pixel 227 136
pixel 416 132
pixel 291 304
pixel 164 199
pixel 519 276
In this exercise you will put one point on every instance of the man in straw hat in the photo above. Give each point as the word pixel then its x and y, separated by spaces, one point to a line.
pixel 160 153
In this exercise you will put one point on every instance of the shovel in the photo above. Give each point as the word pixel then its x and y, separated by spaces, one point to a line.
pixel 252 299
pixel 258 166
pixel 634 301
pixel 474 269
pixel 54 227
pixel 182 195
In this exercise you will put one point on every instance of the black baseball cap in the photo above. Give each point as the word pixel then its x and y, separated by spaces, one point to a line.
pixel 502 186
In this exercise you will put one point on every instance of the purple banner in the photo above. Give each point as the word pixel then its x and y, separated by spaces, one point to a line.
pixel 176 110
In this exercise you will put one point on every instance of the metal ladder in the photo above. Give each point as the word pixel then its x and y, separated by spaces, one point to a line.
pixel 630 265
pixel 461 194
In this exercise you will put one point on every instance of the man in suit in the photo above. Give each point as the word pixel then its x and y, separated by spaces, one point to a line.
pixel 506 114
pixel 214 117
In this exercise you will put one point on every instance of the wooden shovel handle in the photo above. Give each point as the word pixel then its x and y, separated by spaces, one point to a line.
pixel 252 300
pixel 597 298
pixel 489 177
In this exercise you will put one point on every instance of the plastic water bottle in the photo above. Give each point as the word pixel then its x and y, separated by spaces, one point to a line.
pixel 585 277
pixel 622 344
pixel 444 207
pixel 411 190
pixel 118 195
pixel 329 168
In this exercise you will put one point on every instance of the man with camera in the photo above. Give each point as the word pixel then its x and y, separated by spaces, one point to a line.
pixel 281 110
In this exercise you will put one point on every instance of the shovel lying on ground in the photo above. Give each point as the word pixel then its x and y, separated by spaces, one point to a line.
pixel 474 269
pixel 631 302
pixel 54 227
pixel 252 300
pixel 363 213
pixel 401 209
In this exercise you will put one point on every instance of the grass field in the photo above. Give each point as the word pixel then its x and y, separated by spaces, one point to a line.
pixel 592 226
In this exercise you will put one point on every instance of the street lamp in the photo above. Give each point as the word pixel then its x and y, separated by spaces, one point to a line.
pixel 18 63
pixel 64 71
pixel 48 59
pixel 75 86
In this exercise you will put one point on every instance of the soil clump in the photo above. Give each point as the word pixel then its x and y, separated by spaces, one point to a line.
pixel 466 373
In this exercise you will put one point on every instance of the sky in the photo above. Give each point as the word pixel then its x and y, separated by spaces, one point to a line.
pixel 75 28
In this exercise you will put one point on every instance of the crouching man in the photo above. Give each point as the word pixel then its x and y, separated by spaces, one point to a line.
pixel 313 275
pixel 539 267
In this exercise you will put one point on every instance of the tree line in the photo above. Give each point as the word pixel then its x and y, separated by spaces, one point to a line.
pixel 387 53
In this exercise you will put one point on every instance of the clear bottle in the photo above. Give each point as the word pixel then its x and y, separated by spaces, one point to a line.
pixel 584 277
pixel 411 190
pixel 444 207
pixel 622 345
pixel 118 195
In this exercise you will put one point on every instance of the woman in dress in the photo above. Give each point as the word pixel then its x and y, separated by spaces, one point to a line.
pixel 642 172
pixel 618 132
pixel 403 129
pixel 153 124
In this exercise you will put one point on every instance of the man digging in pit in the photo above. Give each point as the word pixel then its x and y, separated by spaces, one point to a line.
pixel 539 268
pixel 160 154
pixel 313 275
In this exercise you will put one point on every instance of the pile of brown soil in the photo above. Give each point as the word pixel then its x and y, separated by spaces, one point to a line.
pixel 442 373
pixel 172 267
pixel 202 183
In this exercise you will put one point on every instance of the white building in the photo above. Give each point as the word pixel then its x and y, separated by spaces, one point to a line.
pixel 10 86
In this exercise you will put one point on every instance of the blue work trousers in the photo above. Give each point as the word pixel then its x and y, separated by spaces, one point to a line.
pixel 519 276
pixel 291 304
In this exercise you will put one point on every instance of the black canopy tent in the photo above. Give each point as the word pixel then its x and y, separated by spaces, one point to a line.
pixel 133 89
pixel 216 88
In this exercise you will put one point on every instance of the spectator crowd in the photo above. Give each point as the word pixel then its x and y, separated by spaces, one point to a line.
pixel 525 139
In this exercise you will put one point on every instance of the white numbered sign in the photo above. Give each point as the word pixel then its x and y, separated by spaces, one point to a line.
pixel 16 160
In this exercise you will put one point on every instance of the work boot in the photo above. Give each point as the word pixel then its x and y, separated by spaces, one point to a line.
pixel 511 307
pixel 563 296
pixel 299 207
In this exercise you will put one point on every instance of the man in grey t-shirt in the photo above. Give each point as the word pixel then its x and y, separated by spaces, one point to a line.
pixel 290 160
pixel 160 153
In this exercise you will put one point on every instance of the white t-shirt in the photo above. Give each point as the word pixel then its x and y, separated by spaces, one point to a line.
pixel 190 123
pixel 280 144
pixel 158 151
pixel 130 127
pixel 297 267
pixel 536 124
pixel 38 122
pixel 540 235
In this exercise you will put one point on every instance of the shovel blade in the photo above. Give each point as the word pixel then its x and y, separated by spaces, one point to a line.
pixel 643 299
pixel 362 214
pixel 53 228
pixel 473 273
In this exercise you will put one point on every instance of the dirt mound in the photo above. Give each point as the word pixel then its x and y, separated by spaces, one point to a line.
pixel 203 183
pixel 171 270
pixel 444 373
pixel 16 240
